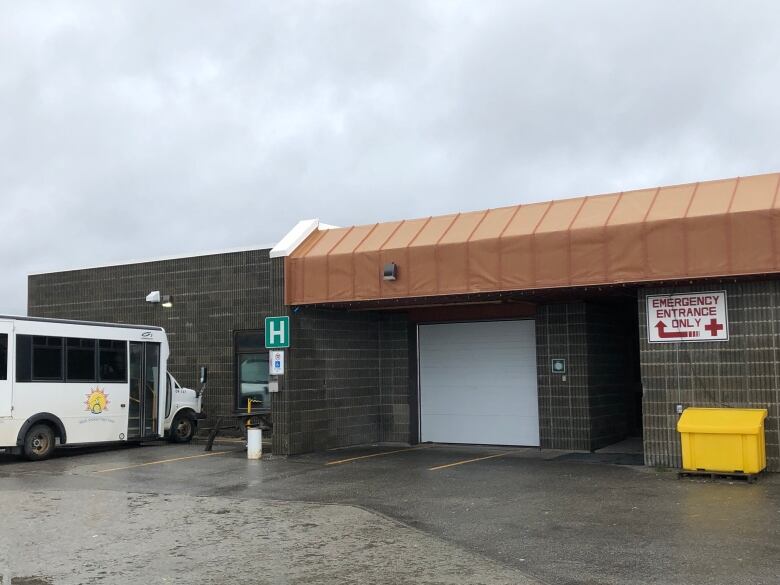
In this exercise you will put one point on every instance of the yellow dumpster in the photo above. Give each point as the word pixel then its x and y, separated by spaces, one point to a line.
pixel 727 440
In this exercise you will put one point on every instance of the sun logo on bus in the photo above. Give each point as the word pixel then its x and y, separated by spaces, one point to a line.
pixel 97 401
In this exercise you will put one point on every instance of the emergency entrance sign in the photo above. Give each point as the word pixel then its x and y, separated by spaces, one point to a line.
pixel 687 317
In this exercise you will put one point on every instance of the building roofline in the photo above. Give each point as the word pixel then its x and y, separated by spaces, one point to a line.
pixel 714 229
pixel 157 259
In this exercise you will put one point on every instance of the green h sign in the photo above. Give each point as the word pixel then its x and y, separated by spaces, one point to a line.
pixel 277 332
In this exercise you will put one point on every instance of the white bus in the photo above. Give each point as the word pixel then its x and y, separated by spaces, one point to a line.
pixel 75 383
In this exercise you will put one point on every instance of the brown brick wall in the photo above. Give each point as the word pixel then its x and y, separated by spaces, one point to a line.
pixel 213 296
pixel 741 372
pixel 591 408
pixel 347 381
pixel 564 408
pixel 347 373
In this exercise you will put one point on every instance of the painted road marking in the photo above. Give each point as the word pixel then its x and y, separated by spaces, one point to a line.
pixel 376 455
pixel 163 461
pixel 468 461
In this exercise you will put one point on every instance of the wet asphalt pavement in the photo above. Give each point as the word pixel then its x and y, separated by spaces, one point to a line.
pixel 431 514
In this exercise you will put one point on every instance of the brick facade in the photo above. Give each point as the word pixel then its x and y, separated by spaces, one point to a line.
pixel 347 373
pixel 351 375
pixel 591 407
pixel 347 381
pixel 213 296
pixel 740 372
pixel 563 405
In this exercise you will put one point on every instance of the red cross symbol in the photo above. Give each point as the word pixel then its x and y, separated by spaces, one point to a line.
pixel 714 327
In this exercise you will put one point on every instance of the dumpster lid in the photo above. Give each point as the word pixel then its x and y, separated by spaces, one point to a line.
pixel 732 421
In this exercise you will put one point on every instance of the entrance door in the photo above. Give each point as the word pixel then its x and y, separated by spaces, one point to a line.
pixel 144 390
pixel 478 383
pixel 6 359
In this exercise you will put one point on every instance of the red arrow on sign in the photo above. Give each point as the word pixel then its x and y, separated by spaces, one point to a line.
pixel 664 334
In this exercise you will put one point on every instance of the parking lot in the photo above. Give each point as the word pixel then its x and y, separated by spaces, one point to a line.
pixel 378 514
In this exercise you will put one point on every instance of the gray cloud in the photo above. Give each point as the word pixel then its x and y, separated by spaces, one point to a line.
pixel 143 129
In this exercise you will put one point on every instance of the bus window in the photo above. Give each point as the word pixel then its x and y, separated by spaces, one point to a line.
pixel 47 358
pixel 112 360
pixel 80 360
pixel 3 356
pixel 23 358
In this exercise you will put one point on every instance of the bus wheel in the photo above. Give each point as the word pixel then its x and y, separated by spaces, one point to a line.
pixel 182 428
pixel 39 443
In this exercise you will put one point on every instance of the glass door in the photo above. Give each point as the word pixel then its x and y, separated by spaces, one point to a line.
pixel 144 389
pixel 251 369
pixel 151 388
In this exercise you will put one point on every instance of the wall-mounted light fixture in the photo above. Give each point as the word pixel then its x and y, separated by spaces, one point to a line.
pixel 156 297
pixel 390 271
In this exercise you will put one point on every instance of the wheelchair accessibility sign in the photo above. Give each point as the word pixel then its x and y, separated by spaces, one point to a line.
pixel 276 363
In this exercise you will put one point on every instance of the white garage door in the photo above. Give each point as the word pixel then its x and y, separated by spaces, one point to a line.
pixel 478 383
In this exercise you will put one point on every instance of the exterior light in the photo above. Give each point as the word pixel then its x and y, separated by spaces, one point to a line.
pixel 390 271
pixel 155 297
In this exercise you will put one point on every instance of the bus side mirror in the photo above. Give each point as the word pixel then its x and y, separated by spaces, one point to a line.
pixel 204 374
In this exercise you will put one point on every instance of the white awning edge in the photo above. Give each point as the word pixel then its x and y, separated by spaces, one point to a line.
pixel 295 237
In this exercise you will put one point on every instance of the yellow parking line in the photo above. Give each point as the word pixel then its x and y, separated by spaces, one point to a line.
pixel 468 461
pixel 163 461
pixel 375 455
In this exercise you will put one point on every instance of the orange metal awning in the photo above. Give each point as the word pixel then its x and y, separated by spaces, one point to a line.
pixel 710 229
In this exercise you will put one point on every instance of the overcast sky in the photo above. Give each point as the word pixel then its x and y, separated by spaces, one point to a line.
pixel 137 129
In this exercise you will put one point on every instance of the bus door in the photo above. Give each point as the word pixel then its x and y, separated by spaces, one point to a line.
pixel 144 390
pixel 6 346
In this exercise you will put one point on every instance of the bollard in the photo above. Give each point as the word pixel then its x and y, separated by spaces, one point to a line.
pixel 254 443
